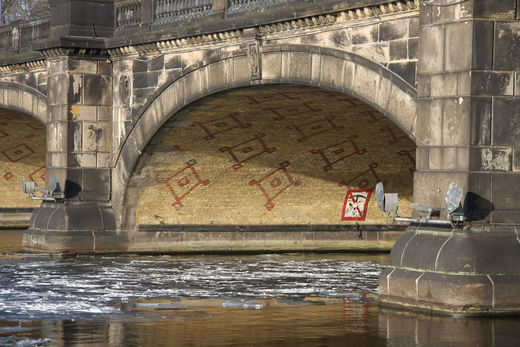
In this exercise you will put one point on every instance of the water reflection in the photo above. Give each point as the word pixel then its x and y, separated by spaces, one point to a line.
pixel 413 329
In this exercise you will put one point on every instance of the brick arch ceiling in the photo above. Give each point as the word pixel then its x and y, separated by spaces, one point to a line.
pixel 270 154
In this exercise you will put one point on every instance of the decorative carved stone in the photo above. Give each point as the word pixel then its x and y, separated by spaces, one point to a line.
pixel 124 90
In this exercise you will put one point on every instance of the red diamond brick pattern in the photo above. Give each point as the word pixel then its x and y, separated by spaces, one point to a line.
pixel 339 151
pixel 183 182
pixel 247 150
pixel 221 125
pixel 310 129
pixel 275 183
pixel 17 152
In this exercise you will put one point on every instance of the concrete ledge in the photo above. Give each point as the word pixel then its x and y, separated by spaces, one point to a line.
pixel 15 218
pixel 471 271
pixel 209 239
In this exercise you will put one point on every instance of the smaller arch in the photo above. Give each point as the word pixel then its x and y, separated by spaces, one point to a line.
pixel 18 97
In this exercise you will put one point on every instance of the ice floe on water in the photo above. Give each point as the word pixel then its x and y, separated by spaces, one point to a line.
pixel 41 287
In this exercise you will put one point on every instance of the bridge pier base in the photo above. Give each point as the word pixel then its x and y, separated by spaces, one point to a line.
pixel 77 227
pixel 470 271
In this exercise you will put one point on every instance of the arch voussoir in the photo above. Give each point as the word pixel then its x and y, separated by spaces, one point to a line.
pixel 24 99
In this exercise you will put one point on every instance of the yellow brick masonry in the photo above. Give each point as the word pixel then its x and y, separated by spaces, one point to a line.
pixel 281 116
pixel 22 152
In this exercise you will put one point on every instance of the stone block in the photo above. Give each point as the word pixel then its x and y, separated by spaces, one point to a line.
pixel 157 63
pixel 98 90
pixel 56 159
pixel 173 61
pixel 104 160
pixel 506 293
pixel 422 158
pixel 75 136
pixel 406 71
pixel 145 80
pixel 393 30
pixel 332 72
pixel 456 121
pixel 455 292
pixel 82 66
pixel 492 83
pixel 464 83
pixel 402 284
pixel 217 74
pixel 384 87
pixel 241 72
pixel 57 131
pixel 58 113
pixel 300 66
pixel 424 85
pixel 494 9
pixel 83 113
pixel 104 113
pixel 491 159
pixel 430 187
pixel 507 46
pixel 506 126
pixel 505 190
pixel 57 67
pixel 84 160
pixel 422 251
pixel 458 43
pixel 96 181
pixel 413 48
pixel 271 66
pixel 104 67
pixel 413 27
pixel 429 122
pixel 139 66
pixel 193 85
pixel 431 56
pixel 480 131
pixel 366 34
pixel 443 85
pixel 140 96
pixel 483 32
pixel 435 158
pixel 75 92
pixel 96 136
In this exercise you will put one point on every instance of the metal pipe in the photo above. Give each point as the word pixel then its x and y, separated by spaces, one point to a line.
pixel 423 221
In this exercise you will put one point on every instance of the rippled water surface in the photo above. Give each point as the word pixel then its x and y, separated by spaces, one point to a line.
pixel 195 300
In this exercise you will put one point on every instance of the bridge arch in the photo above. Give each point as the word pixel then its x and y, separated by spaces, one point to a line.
pixel 294 64
pixel 24 99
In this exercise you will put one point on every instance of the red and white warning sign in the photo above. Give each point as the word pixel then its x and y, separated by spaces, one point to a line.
pixel 356 205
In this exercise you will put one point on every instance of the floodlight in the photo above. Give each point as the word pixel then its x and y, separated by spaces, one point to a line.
pixel 453 198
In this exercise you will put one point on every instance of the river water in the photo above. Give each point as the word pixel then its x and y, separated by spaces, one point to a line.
pixel 234 300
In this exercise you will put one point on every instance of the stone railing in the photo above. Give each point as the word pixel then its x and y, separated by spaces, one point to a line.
pixel 167 11
pixel 134 13
pixel 19 35
pixel 128 14
pixel 237 6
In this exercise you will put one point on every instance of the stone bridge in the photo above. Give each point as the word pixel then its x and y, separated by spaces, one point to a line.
pixel 248 125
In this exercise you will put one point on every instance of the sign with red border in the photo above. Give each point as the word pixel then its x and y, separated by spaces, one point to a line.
pixel 356 205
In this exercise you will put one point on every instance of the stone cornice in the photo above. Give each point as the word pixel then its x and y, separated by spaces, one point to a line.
pixel 24 67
